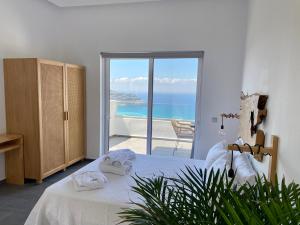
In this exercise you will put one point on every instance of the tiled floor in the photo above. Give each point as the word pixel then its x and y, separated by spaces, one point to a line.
pixel 16 202
pixel 159 146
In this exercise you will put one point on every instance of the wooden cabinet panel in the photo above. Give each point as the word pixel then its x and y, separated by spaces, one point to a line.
pixel 52 116
pixel 75 77
pixel 21 103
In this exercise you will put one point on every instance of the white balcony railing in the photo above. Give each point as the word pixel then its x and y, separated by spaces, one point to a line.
pixel 137 126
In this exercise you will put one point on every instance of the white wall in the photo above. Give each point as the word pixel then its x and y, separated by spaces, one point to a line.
pixel 27 29
pixel 216 26
pixel 272 66
pixel 78 35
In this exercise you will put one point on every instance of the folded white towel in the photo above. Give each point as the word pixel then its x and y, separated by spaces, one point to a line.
pixel 118 170
pixel 88 180
pixel 119 157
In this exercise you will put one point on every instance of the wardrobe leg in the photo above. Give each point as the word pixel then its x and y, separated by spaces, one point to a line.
pixel 39 181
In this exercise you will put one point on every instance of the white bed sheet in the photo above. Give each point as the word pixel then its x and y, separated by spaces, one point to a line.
pixel 60 204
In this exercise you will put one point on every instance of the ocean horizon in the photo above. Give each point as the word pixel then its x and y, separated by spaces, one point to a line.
pixel 180 106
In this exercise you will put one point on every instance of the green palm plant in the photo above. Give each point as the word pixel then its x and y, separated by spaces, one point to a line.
pixel 197 196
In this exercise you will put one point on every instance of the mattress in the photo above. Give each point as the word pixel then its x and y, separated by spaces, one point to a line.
pixel 60 204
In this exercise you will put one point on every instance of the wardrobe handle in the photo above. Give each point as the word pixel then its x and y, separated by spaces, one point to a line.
pixel 66 115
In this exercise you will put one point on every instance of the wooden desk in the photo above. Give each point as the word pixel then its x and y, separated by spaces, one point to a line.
pixel 12 146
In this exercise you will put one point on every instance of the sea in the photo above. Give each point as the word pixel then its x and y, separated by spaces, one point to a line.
pixel 179 106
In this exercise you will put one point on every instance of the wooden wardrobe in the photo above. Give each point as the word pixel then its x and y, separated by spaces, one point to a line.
pixel 45 102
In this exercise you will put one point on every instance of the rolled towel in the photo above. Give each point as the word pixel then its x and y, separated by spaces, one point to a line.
pixel 118 170
pixel 119 157
pixel 88 180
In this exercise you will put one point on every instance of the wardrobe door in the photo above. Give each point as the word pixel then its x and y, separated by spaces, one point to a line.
pixel 51 80
pixel 75 78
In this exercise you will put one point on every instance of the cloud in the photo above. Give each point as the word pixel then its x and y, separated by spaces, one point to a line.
pixel 158 80
pixel 168 80
pixel 164 84
pixel 129 79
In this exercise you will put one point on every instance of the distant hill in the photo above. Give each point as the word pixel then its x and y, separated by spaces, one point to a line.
pixel 125 98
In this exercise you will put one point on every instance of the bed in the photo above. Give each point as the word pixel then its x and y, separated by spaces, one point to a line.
pixel 60 204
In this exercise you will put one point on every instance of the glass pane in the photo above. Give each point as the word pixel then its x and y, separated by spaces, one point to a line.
pixel 128 104
pixel 174 100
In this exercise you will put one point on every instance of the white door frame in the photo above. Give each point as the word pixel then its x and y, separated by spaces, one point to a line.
pixel 150 106
pixel 105 58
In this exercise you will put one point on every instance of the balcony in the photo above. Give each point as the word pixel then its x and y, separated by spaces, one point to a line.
pixel 169 137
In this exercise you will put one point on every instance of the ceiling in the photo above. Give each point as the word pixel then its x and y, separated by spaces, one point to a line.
pixel 71 3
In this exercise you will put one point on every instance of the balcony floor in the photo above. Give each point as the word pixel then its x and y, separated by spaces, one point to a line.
pixel 160 147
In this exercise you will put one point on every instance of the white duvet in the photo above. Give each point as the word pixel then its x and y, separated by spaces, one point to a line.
pixel 60 204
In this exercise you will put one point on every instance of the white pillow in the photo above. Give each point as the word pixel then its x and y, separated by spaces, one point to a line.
pixel 245 172
pixel 219 158
pixel 239 141
pixel 216 152
pixel 220 164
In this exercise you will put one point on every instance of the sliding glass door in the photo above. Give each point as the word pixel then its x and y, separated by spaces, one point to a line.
pixel 128 104
pixel 153 102
pixel 174 104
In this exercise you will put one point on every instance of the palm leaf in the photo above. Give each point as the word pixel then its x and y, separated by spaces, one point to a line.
pixel 196 197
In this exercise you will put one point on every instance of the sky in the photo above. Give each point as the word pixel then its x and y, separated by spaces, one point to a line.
pixel 170 75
